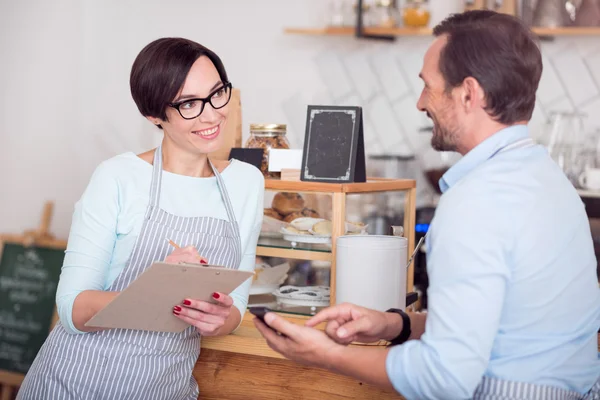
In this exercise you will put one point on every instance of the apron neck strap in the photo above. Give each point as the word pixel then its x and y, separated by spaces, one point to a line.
pixel 155 186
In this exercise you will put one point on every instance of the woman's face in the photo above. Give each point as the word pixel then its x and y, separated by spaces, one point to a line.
pixel 203 134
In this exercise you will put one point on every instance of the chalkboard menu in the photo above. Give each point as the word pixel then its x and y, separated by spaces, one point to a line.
pixel 334 149
pixel 28 281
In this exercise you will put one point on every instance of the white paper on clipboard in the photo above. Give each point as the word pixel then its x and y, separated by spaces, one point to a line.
pixel 147 303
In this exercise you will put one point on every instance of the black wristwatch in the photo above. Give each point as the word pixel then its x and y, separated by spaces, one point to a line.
pixel 405 333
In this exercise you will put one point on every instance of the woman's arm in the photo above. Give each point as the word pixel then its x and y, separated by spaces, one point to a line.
pixel 87 304
pixel 80 293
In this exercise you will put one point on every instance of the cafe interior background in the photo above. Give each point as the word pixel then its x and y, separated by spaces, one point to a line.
pixel 65 104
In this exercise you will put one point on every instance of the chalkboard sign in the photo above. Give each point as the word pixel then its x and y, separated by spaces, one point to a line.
pixel 28 280
pixel 334 148
pixel 251 156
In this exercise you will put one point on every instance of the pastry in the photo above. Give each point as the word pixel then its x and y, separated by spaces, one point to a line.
pixel 286 203
pixel 308 212
pixel 304 223
pixel 273 214
pixel 290 217
pixel 294 231
pixel 323 228
pixel 354 227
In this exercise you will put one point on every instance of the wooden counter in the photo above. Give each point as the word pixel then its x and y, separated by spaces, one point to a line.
pixel 242 366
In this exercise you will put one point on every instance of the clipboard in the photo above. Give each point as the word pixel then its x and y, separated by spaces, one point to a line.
pixel 147 303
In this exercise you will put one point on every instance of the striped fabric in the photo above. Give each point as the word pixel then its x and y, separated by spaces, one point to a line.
pixel 130 364
pixel 497 389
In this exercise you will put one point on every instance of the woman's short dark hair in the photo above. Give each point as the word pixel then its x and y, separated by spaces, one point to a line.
pixel 159 71
pixel 501 53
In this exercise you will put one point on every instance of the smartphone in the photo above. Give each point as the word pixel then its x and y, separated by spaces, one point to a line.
pixel 259 312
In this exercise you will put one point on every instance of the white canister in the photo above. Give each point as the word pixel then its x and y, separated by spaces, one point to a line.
pixel 371 271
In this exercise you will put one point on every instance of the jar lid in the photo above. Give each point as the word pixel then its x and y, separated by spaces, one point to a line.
pixel 268 127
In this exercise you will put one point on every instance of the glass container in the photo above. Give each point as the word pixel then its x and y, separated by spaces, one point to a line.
pixel 267 137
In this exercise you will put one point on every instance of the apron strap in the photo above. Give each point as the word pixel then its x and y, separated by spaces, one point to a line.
pixel 156 185
pixel 156 178
pixel 225 197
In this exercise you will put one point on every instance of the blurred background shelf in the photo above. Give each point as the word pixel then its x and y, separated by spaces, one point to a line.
pixel 403 31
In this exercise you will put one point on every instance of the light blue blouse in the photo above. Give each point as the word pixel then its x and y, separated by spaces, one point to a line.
pixel 108 219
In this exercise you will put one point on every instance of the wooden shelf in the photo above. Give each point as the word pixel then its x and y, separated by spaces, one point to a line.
pixel 308 255
pixel 345 31
pixel 403 31
pixel 373 185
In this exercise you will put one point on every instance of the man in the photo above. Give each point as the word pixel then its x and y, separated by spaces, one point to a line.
pixel 514 303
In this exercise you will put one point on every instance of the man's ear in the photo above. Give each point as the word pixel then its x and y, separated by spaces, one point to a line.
pixel 472 95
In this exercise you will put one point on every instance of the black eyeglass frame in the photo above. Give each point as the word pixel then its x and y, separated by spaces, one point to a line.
pixel 207 99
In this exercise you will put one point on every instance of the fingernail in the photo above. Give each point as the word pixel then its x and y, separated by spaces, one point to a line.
pixel 177 308
pixel 175 312
pixel 216 295
pixel 187 302
pixel 342 332
pixel 203 261
pixel 269 317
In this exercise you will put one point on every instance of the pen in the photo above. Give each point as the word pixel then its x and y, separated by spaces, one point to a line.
pixel 172 243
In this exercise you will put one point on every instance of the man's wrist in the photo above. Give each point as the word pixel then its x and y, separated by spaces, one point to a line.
pixel 393 327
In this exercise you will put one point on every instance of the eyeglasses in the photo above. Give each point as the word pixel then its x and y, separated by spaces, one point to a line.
pixel 192 108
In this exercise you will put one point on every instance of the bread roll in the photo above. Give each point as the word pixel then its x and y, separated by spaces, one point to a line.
pixel 286 203
pixel 273 214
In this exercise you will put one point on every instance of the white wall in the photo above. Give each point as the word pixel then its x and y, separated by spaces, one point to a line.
pixel 64 84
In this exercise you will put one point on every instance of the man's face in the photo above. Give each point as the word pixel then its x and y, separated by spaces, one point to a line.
pixel 440 105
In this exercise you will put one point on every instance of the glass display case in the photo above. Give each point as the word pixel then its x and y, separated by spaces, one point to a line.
pixel 296 253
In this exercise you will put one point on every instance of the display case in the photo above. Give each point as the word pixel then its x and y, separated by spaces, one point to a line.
pixel 294 208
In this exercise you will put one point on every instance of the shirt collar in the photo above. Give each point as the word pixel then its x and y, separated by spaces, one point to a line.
pixel 481 153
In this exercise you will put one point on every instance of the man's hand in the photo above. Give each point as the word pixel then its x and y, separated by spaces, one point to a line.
pixel 347 323
pixel 305 345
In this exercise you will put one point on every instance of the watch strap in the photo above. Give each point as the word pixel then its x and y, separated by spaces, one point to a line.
pixel 406 330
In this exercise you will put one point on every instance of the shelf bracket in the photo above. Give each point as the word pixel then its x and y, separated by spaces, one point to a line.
pixel 360 28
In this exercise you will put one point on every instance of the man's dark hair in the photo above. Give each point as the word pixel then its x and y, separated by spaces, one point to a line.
pixel 501 53
pixel 159 71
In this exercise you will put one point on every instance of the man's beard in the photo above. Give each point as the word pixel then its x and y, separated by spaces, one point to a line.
pixel 443 138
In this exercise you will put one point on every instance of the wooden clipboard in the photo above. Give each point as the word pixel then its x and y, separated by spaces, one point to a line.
pixel 147 304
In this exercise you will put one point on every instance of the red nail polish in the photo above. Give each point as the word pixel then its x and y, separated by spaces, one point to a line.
pixel 177 308
pixel 187 302
pixel 203 261
pixel 175 312
pixel 216 295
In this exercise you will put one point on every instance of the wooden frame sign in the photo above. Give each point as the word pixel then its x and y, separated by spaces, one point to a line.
pixel 30 266
pixel 334 150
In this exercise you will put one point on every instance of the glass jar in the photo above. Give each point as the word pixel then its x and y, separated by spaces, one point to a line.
pixel 267 137
pixel 415 13
pixel 386 14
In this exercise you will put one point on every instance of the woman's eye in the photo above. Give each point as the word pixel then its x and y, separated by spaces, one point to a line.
pixel 188 104
pixel 219 93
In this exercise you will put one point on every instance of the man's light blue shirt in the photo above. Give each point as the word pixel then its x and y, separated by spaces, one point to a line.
pixel 513 292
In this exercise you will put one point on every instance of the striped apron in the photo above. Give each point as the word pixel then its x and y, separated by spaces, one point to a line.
pixel 499 389
pixel 129 364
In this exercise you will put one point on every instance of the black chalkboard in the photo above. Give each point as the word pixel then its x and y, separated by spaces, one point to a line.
pixel 334 149
pixel 28 280
pixel 249 155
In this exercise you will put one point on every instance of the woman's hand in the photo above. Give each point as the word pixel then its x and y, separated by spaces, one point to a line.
pixel 208 318
pixel 187 254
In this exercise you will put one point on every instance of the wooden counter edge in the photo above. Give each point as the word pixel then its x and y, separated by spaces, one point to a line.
pixel 248 340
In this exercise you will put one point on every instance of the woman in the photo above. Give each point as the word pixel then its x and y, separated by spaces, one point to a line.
pixel 132 206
